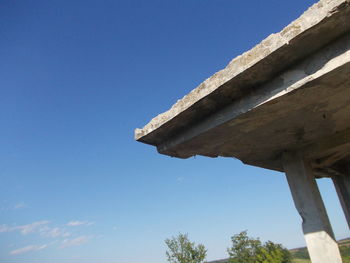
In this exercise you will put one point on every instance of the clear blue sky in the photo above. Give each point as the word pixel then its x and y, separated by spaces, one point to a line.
pixel 76 78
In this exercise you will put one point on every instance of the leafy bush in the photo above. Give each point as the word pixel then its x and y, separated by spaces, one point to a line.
pixel 249 250
pixel 181 250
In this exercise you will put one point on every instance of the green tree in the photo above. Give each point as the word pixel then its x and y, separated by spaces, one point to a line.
pixel 181 250
pixel 249 250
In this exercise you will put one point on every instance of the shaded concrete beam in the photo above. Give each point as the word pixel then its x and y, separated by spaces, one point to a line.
pixel 311 69
pixel 342 186
pixel 317 229
pixel 326 172
pixel 327 151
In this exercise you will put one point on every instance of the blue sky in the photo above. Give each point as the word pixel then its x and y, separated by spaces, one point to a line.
pixel 77 77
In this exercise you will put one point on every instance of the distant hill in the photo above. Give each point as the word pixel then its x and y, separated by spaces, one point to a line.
pixel 218 261
pixel 300 255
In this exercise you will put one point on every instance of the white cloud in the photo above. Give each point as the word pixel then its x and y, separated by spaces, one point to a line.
pixel 79 223
pixel 30 228
pixel 39 227
pixel 44 229
pixel 53 232
pixel 7 206
pixel 19 206
pixel 5 228
pixel 75 241
pixel 66 234
pixel 24 229
pixel 180 179
pixel 27 249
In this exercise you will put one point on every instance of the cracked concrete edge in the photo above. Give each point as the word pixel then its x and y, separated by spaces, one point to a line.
pixel 311 17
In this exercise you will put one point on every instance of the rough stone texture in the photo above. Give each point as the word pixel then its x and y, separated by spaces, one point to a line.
pixel 320 24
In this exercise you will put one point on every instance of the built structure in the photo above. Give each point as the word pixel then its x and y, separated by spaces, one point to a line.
pixel 284 105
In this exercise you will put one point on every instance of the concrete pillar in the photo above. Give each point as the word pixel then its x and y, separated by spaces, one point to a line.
pixel 317 229
pixel 342 185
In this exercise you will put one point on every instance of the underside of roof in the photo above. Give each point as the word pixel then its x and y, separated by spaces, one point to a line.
pixel 290 92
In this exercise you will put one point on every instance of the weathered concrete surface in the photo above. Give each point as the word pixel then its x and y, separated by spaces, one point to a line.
pixel 323 22
pixel 307 102
pixel 291 89
pixel 317 229
pixel 342 185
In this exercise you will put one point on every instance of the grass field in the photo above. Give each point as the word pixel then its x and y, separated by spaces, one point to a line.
pixel 301 261
pixel 301 255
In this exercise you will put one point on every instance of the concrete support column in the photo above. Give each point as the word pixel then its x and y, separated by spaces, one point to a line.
pixel 342 185
pixel 317 229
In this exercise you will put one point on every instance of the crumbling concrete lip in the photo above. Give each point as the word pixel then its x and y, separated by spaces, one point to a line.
pixel 318 26
pixel 289 91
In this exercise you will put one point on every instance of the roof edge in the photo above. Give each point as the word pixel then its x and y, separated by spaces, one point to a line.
pixel 272 45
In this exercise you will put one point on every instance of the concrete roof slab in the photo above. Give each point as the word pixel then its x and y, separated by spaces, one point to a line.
pixel 291 89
